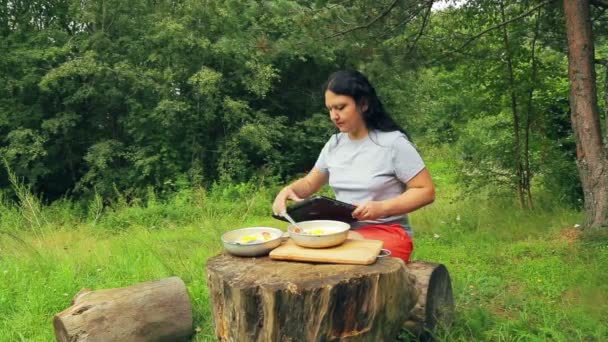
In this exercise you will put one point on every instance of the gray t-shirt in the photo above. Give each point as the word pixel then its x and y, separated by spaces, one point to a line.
pixel 374 168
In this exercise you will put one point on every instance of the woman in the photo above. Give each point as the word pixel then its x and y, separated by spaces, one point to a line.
pixel 370 163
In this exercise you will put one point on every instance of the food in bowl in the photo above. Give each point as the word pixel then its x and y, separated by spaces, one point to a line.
pixel 253 238
pixel 252 241
pixel 319 233
pixel 315 231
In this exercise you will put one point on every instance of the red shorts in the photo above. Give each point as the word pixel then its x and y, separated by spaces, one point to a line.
pixel 394 237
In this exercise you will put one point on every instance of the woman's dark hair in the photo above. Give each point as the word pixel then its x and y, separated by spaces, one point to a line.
pixel 354 84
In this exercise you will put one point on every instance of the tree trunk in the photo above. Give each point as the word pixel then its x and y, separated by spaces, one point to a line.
pixel 260 299
pixel 152 311
pixel 590 153
pixel 516 118
pixel 606 102
pixel 527 174
pixel 435 305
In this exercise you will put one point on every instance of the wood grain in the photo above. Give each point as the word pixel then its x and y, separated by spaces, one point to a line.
pixel 356 252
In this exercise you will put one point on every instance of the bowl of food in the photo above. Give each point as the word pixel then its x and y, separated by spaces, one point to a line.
pixel 252 241
pixel 319 233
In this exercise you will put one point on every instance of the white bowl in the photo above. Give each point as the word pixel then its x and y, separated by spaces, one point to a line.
pixel 335 233
pixel 256 248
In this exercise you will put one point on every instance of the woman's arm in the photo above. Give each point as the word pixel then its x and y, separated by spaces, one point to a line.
pixel 299 189
pixel 420 192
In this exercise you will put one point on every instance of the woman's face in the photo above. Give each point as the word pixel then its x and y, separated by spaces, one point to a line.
pixel 344 113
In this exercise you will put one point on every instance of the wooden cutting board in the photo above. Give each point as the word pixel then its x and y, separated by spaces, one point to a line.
pixel 358 252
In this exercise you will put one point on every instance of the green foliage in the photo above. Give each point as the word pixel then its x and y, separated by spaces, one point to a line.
pixel 487 151
pixel 130 96
pixel 25 152
pixel 468 101
pixel 100 97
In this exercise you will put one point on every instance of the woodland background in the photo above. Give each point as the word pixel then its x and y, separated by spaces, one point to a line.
pixel 133 133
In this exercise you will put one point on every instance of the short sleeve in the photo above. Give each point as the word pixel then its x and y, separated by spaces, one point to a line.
pixel 321 163
pixel 407 162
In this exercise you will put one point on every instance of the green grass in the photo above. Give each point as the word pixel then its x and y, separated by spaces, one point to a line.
pixel 516 275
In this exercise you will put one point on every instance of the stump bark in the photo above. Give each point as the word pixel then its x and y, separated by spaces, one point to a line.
pixel 435 304
pixel 259 299
pixel 152 311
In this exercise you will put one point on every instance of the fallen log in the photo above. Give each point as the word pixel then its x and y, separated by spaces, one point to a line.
pixel 157 310
pixel 259 299
pixel 435 305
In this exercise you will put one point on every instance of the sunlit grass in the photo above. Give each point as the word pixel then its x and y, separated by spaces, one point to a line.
pixel 516 275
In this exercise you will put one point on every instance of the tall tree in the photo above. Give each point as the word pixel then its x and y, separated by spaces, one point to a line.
pixel 591 153
pixel 519 170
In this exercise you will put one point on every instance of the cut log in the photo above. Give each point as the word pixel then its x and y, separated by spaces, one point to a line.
pixel 152 311
pixel 259 299
pixel 435 305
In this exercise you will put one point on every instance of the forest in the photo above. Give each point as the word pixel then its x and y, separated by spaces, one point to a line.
pixel 134 133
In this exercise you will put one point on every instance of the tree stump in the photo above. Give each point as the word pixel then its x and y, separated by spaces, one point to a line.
pixel 152 311
pixel 259 299
pixel 435 305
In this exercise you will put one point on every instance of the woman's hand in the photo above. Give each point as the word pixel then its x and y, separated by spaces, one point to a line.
pixel 279 204
pixel 371 210
pixel 299 189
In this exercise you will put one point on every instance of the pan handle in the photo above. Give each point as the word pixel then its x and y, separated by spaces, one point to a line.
pixel 384 253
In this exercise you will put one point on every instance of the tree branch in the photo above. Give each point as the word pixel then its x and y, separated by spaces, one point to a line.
pixel 599 15
pixel 599 3
pixel 425 20
pixel 497 26
pixel 407 19
pixel 370 23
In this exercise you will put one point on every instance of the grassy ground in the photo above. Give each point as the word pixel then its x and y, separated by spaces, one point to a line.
pixel 516 275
